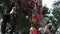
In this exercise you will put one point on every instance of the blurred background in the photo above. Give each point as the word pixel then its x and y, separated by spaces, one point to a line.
pixel 51 14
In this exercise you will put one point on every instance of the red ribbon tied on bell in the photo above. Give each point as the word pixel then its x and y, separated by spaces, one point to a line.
pixel 33 18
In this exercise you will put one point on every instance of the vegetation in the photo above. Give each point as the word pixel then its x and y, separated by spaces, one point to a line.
pixel 23 23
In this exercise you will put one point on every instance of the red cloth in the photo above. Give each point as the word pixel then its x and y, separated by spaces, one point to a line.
pixel 28 4
pixel 34 31
pixel 25 4
pixel 32 1
pixel 17 6
pixel 33 19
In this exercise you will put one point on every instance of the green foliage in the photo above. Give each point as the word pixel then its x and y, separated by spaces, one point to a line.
pixel 56 13
pixel 23 23
pixel 45 10
pixel 51 19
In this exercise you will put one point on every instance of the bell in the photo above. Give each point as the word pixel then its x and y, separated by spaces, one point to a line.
pixel 33 18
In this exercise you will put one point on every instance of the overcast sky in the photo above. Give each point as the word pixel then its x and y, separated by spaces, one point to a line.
pixel 48 3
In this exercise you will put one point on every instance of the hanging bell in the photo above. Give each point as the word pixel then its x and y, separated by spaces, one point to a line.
pixel 33 18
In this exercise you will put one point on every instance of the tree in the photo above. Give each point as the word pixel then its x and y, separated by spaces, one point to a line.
pixel 56 13
pixel 45 10
pixel 56 10
pixel 50 20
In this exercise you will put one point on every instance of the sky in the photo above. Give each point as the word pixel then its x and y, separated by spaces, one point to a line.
pixel 48 3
